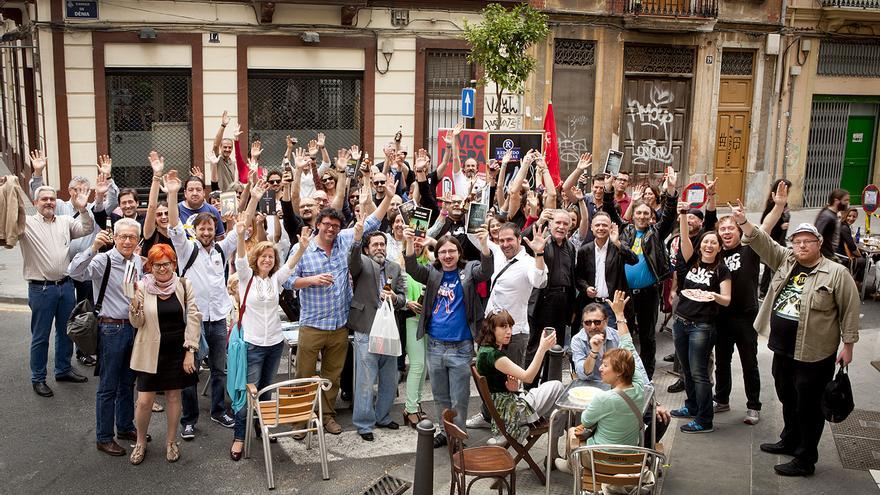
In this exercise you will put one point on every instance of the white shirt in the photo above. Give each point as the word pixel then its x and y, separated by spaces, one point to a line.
pixel 260 323
pixel 461 184
pixel 207 271
pixel 512 289
pixel 601 285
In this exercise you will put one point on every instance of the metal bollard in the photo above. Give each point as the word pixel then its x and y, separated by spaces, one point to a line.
pixel 554 363
pixel 423 478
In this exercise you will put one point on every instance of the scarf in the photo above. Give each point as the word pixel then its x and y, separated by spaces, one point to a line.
pixel 153 286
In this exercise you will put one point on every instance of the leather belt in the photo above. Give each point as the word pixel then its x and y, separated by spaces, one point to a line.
pixel 49 282
pixel 113 321
pixel 601 299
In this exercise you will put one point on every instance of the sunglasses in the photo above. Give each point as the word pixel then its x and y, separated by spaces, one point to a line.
pixel 327 179
pixel 594 323
pixel 275 181
pixel 378 182
pixel 161 213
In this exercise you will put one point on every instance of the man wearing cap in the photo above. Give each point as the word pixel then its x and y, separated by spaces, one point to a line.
pixel 812 305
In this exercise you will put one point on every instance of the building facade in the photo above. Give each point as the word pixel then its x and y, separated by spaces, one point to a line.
pixel 745 90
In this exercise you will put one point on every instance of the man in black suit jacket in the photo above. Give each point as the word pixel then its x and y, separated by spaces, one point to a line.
pixel 375 280
pixel 595 284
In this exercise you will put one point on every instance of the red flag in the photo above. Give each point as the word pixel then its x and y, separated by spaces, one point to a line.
pixel 551 146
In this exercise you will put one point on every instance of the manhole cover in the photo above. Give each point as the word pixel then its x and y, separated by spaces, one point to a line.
pixel 388 485
pixel 858 453
pixel 860 423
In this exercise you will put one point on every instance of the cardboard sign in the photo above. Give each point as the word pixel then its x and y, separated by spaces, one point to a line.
pixel 519 142
pixel 695 194
pixel 869 198
pixel 472 143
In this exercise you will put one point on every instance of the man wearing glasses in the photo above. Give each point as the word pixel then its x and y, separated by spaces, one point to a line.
pixel 621 198
pixel 114 403
pixel 325 293
pixel 812 306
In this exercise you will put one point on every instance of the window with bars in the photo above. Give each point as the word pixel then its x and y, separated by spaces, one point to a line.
pixel 148 109
pixel 574 88
pixel 737 63
pixel 301 104
pixel 855 59
pixel 446 73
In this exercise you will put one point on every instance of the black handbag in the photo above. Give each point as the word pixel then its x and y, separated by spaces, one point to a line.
pixel 837 400
pixel 82 326
pixel 289 304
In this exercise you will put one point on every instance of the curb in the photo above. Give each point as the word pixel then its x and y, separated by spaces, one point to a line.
pixel 14 300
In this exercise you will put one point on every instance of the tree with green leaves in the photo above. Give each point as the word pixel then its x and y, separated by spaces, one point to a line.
pixel 500 45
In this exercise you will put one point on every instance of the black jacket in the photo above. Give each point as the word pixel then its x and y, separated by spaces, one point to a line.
pixel 615 274
pixel 652 242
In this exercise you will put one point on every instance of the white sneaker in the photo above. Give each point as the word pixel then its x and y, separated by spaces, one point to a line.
pixel 495 440
pixel 752 417
pixel 477 421
pixel 562 465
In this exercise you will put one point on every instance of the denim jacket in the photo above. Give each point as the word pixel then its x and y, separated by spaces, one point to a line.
pixel 829 308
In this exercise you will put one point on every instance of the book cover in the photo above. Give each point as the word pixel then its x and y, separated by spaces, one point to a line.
pixel 420 220
pixel 476 217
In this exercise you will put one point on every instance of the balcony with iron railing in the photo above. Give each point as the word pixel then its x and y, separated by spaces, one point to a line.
pixel 853 4
pixel 668 15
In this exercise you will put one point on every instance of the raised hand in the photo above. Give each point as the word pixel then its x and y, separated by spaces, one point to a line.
pixel 157 163
pixel 171 182
pixel 710 186
pixel 538 241
pixel 448 138
pixel 241 225
pixel 210 157
pixel 586 161
pixel 342 157
pixel 355 152
pixel 578 193
pixel 739 212
pixel 614 235
pixel 256 150
pixel 105 164
pixel 483 235
pixel 196 171
pixel 236 131
pixel 224 119
pixel 780 196
pixel 102 239
pixel 304 238
pixel 359 227
pixel 390 187
pixel 638 192
pixel 457 129
pixel 289 144
pixel 619 302
pixel 671 179
pixel 80 199
pixel 102 185
pixel 508 155
pixel 390 152
pixel 313 148
pixel 320 140
pixel 528 158
pixel 260 188
pixel 422 160
pixel 301 159
pixel 38 161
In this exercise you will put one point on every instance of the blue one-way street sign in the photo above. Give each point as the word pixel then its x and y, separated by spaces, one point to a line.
pixel 468 101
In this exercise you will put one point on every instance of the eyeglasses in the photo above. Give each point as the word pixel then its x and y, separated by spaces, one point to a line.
pixel 378 182
pixel 127 237
pixel 594 323
pixel 275 182
pixel 804 242
pixel 331 226
pixel 162 266
pixel 161 213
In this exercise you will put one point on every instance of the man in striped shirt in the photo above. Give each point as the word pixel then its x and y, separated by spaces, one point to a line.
pixel 325 292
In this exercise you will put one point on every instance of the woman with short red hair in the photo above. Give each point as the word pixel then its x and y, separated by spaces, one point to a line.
pixel 168 323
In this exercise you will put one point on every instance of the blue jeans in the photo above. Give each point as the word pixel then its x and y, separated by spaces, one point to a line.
pixel 368 367
pixel 449 365
pixel 215 335
pixel 262 366
pixel 47 303
pixel 115 397
pixel 693 345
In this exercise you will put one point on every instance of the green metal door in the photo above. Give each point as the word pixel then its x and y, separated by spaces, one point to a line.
pixel 857 157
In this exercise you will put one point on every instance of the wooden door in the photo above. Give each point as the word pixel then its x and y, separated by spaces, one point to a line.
pixel 732 136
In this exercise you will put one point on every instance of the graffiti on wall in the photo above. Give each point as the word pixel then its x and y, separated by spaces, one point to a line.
pixel 654 117
pixel 572 146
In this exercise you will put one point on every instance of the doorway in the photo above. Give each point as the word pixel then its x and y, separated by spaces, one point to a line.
pixel 734 124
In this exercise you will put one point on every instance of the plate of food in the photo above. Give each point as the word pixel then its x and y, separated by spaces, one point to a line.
pixel 698 295
pixel 583 395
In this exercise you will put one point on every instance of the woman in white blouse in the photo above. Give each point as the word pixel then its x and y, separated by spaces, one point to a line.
pixel 260 275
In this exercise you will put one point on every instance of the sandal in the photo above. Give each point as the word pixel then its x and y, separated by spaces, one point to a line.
pixel 236 456
pixel 172 452
pixel 411 419
pixel 157 408
pixel 138 454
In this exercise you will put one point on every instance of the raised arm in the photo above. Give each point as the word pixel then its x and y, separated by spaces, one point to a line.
pixel 514 194
pixel 456 154
pixel 218 138
pixel 684 243
pixel 304 239
pixel 447 155
pixel 583 164
pixel 157 163
pixel 172 185
pixel 780 199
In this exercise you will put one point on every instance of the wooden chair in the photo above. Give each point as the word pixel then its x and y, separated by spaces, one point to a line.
pixel 295 402
pixel 619 465
pixel 480 462
pixel 536 429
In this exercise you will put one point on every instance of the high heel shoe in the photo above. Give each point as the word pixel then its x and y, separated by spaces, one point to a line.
pixel 411 419
pixel 236 456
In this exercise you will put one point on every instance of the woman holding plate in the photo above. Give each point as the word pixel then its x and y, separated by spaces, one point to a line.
pixel 703 284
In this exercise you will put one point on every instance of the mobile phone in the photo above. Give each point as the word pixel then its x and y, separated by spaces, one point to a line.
pixel 613 161
pixel 548 331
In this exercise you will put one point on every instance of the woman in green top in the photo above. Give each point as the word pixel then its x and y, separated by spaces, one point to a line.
pixel 504 378
pixel 415 348
pixel 614 420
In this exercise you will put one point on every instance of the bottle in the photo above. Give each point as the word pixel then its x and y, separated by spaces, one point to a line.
pixel 858 234
pixel 387 285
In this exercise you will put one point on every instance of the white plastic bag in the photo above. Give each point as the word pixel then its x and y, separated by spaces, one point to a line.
pixel 384 338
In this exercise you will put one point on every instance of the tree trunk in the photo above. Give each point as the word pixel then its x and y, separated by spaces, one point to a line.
pixel 498 92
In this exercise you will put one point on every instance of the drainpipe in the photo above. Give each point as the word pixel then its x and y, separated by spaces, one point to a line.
pixel 795 71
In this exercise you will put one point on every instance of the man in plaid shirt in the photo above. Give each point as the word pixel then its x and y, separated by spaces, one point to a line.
pixel 325 292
